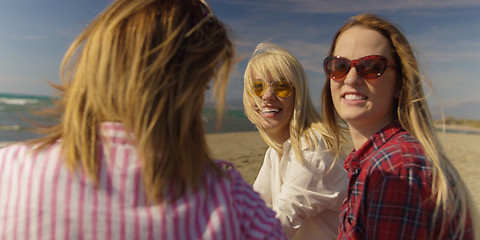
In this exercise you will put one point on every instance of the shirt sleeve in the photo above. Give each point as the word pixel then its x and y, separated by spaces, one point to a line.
pixel 263 183
pixel 309 188
pixel 257 220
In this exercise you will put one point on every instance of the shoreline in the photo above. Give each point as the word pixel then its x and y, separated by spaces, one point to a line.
pixel 454 128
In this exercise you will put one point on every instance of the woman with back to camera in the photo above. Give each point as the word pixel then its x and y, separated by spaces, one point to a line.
pixel 402 184
pixel 300 178
pixel 128 157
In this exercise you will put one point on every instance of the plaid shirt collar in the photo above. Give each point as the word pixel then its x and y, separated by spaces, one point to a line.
pixel 358 158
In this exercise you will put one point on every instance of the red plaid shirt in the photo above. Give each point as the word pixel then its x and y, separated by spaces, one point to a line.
pixel 389 192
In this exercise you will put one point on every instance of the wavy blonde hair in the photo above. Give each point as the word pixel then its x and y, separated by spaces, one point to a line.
pixel 271 60
pixel 146 64
pixel 413 114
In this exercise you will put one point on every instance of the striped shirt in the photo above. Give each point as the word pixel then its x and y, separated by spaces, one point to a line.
pixel 389 192
pixel 41 199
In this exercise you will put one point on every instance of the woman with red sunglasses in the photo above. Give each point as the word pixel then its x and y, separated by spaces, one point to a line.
pixel 401 182
pixel 300 177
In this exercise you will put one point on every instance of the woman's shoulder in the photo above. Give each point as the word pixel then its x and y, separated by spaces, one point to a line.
pixel 312 140
pixel 15 150
pixel 233 184
pixel 230 175
pixel 403 144
pixel 399 155
pixel 314 149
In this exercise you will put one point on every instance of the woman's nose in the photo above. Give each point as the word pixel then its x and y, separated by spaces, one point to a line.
pixel 268 94
pixel 352 77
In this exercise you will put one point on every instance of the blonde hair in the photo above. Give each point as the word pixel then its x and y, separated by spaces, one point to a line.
pixel 273 61
pixel 136 64
pixel 413 114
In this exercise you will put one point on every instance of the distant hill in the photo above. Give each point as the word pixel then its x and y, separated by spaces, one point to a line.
pixel 234 120
pixel 458 110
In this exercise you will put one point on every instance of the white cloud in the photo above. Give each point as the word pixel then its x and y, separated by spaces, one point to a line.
pixel 311 55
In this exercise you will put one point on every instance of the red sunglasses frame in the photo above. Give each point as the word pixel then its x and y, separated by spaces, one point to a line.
pixel 354 63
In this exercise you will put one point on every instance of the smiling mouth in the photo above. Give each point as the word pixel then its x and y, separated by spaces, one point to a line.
pixel 353 97
pixel 271 110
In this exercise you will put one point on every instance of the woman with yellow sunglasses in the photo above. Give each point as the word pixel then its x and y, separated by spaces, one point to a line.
pixel 300 179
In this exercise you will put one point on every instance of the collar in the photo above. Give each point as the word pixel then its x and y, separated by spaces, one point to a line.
pixel 114 132
pixel 358 157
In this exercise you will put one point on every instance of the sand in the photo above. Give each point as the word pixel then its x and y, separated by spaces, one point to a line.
pixel 246 151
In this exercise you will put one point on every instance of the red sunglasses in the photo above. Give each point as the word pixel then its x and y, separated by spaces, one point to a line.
pixel 368 67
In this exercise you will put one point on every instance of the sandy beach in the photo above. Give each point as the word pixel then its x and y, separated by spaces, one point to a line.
pixel 246 151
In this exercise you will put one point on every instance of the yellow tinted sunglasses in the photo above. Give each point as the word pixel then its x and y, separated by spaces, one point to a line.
pixel 282 88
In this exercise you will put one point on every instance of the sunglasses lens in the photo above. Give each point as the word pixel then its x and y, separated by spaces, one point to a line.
pixel 258 88
pixel 282 88
pixel 337 68
pixel 371 68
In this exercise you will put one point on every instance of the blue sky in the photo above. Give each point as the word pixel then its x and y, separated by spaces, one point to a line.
pixel 34 35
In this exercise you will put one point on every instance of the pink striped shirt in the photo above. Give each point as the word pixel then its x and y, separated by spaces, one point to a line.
pixel 41 199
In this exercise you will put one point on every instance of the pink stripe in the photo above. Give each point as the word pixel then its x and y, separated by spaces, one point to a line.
pixel 207 216
pixel 219 213
pixel 113 126
pixel 54 197
pixel 41 193
pixel 150 233
pixel 136 191
pixel 162 223
pixel 29 193
pixel 176 224
pixel 68 192
pixel 198 227
pixel 120 140
pixel 17 202
pixel 8 192
pixel 122 194
pixel 188 213
pixel 4 160
pixel 81 203
pixel 109 187
pixel 226 221
pixel 95 200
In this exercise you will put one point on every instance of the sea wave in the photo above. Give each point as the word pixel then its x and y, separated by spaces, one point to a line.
pixel 10 127
pixel 18 101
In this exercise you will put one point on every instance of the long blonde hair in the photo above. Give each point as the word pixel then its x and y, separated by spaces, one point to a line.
pixel 271 60
pixel 414 116
pixel 146 64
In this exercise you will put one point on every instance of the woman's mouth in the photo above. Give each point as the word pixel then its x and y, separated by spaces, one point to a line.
pixel 354 97
pixel 270 111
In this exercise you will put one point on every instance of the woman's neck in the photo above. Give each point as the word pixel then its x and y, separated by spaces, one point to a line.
pixel 360 134
pixel 279 136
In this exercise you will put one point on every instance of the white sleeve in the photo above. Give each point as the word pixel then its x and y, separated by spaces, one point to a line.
pixel 263 183
pixel 309 188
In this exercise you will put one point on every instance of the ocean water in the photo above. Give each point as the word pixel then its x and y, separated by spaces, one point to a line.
pixel 17 118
